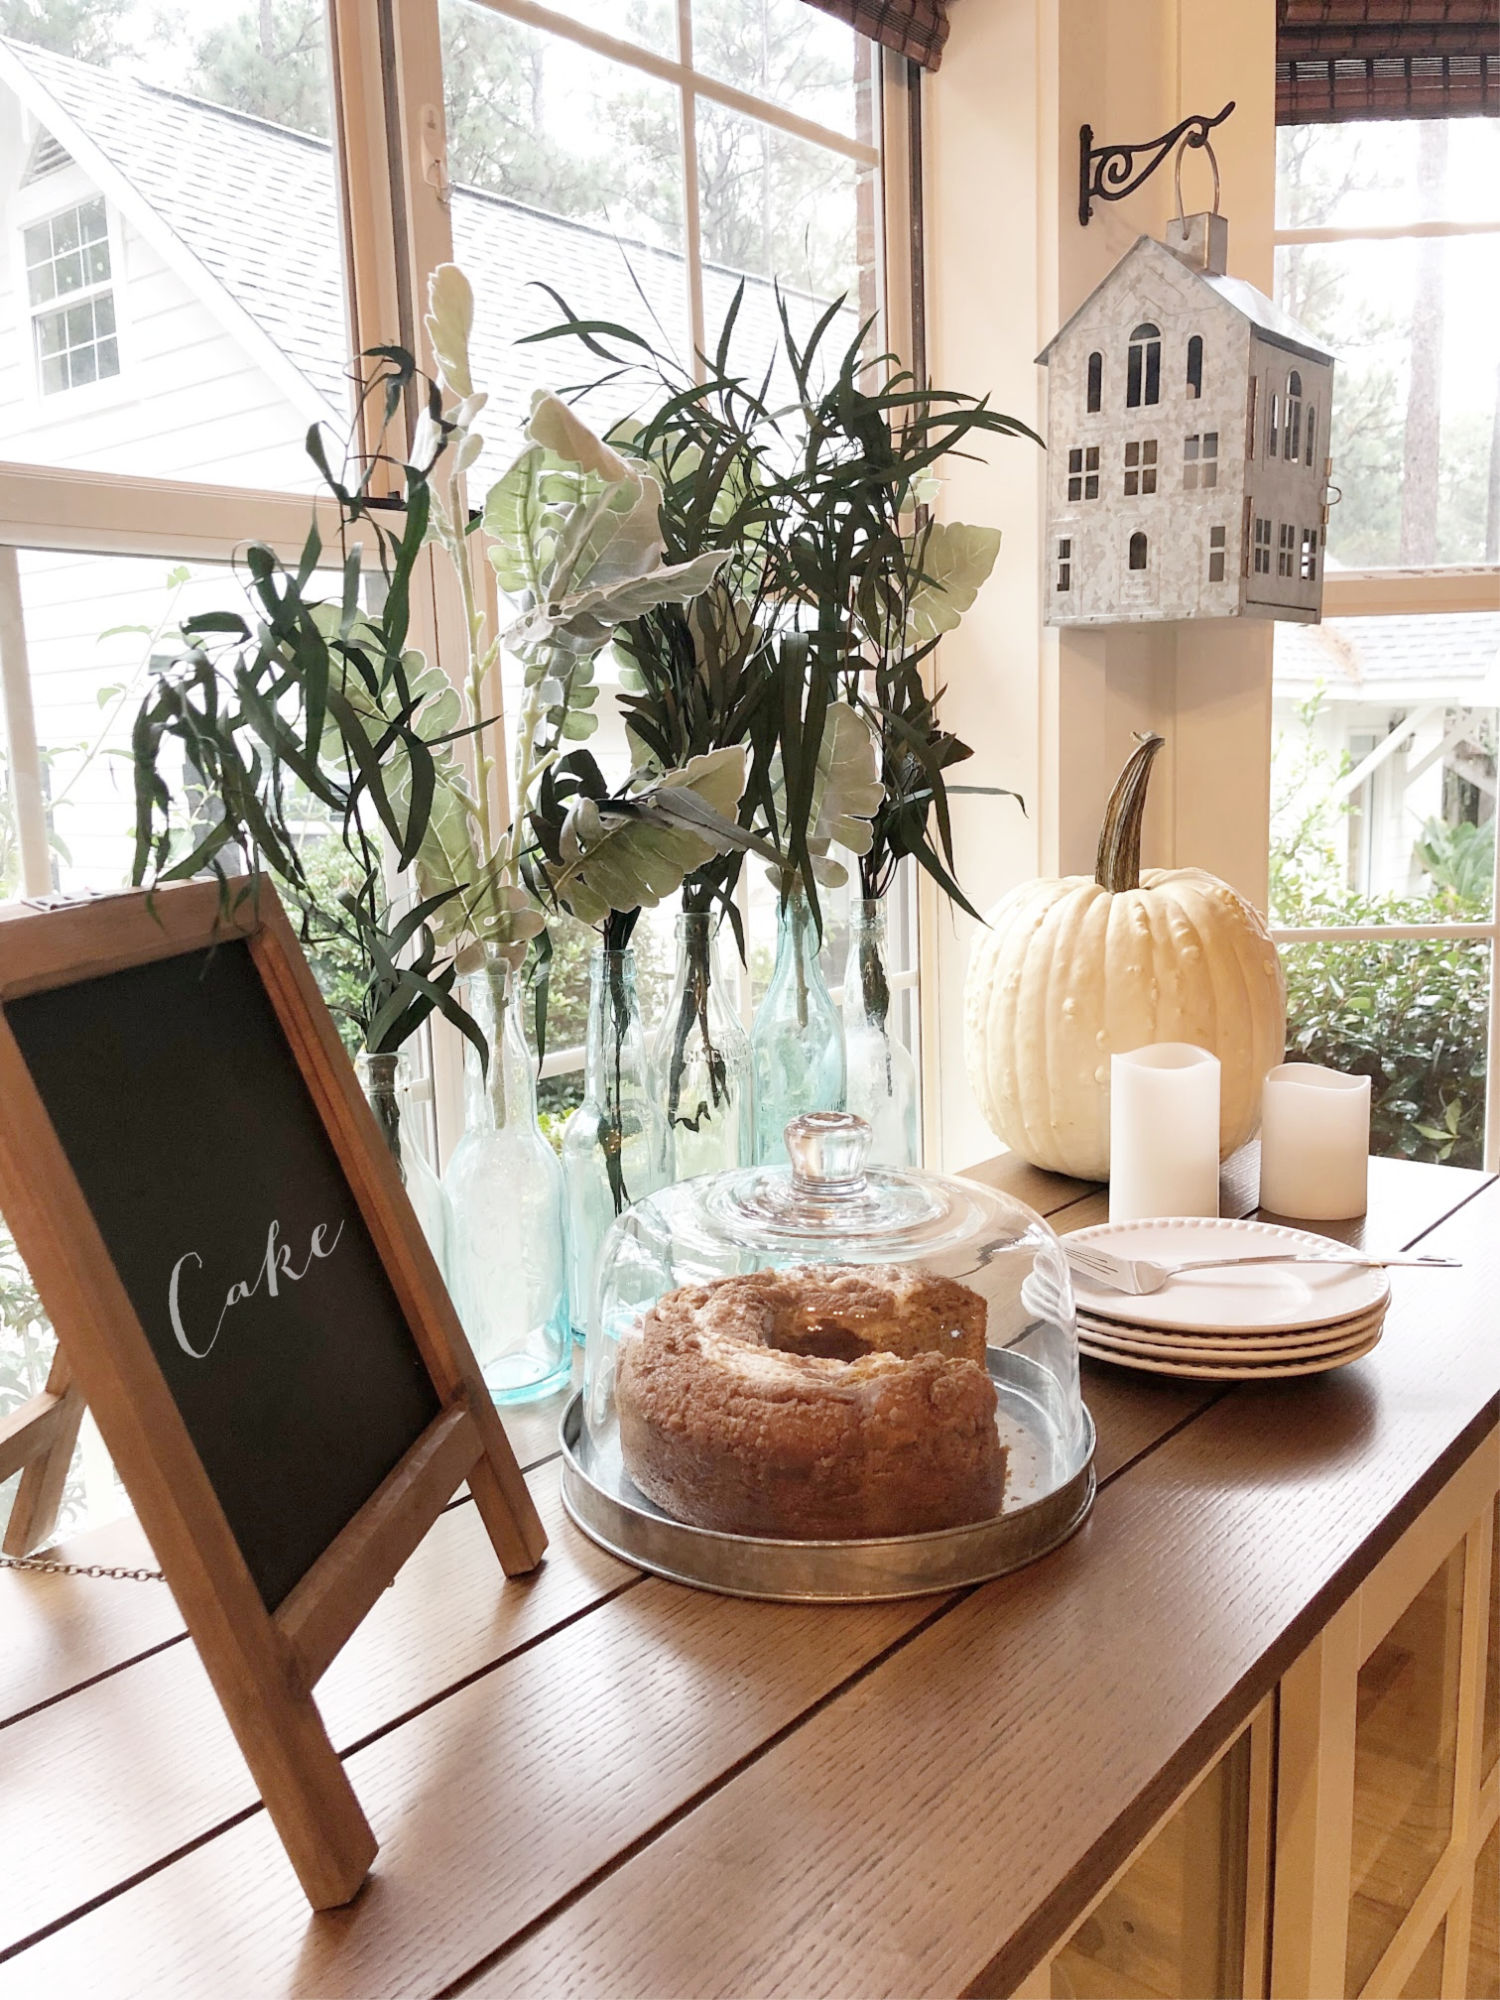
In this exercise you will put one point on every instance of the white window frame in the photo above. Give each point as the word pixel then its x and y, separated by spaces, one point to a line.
pixel 1396 592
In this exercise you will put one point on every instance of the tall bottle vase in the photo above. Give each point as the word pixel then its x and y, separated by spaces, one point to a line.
pixel 700 1062
pixel 387 1087
pixel 797 1042
pixel 614 1147
pixel 507 1258
pixel 881 1075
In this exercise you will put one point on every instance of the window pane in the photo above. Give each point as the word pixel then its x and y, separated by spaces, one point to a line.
pixel 775 208
pixel 1383 770
pixel 1369 172
pixel 790 54
pixel 230 281
pixel 1412 324
pixel 568 173
pixel 1412 1015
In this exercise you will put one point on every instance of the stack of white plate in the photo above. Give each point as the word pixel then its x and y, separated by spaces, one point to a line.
pixel 1227 1324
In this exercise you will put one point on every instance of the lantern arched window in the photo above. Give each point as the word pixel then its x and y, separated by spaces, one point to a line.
pixel 1195 365
pixel 1294 415
pixel 1096 380
pixel 1273 421
pixel 1138 550
pixel 1143 366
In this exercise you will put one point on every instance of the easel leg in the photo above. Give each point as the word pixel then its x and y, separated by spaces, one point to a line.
pixel 38 1440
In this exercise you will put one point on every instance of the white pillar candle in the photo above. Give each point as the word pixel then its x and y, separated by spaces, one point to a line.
pixel 1314 1143
pixel 1163 1132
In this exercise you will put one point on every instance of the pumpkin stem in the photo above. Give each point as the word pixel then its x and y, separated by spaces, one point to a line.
pixel 1118 866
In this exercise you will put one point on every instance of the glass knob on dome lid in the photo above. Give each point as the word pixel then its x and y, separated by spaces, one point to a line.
pixel 827 1150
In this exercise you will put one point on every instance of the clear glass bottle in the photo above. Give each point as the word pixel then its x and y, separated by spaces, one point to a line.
pixel 386 1080
pixel 507 1242
pixel 798 1041
pixel 700 1062
pixel 614 1147
pixel 881 1076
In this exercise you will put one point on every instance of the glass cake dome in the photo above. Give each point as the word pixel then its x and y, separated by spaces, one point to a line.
pixel 843 1381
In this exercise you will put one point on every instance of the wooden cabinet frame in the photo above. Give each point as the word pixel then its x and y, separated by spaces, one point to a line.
pixel 1299 1818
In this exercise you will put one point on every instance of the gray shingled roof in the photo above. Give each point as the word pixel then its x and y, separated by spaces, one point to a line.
pixel 1364 659
pixel 197 165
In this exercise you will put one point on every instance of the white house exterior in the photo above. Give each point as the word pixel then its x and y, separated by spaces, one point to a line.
pixel 1187 465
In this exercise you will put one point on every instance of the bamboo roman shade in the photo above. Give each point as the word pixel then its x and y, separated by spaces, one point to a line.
pixel 1345 59
pixel 915 28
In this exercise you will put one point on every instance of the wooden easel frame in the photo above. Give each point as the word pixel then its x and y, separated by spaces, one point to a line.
pixel 263 1665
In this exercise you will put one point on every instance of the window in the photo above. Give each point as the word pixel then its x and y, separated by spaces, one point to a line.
pixel 73 305
pixel 1143 366
pixel 1286 549
pixel 1262 547
pixel 1294 415
pixel 1137 550
pixel 643 197
pixel 1065 565
pixel 1096 380
pixel 1273 414
pixel 1083 473
pixel 1216 555
pixel 1250 416
pixel 1195 366
pixel 1384 764
pixel 1200 461
pixel 1140 467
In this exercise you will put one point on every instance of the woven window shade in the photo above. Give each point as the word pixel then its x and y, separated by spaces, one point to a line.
pixel 915 28
pixel 1344 59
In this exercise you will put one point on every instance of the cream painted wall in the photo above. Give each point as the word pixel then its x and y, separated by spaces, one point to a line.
pixel 1051 714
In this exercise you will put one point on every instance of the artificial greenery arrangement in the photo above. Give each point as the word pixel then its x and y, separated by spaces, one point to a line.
pixel 316 724
pixel 811 646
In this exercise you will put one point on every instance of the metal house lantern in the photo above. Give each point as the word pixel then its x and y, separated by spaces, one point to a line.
pixel 1187 434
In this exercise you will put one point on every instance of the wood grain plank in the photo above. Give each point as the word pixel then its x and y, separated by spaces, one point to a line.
pixel 60 1632
pixel 656 1696
pixel 149 1760
pixel 962 1852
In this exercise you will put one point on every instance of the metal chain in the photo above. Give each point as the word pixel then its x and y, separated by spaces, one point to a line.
pixel 45 1568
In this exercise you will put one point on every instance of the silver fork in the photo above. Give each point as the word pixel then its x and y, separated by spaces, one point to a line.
pixel 1139 1275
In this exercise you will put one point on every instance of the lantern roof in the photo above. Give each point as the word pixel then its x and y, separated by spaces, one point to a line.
pixel 1268 318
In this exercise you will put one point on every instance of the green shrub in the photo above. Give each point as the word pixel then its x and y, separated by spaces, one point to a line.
pixel 1411 1014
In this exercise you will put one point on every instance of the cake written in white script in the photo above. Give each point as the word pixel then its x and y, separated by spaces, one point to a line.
pixel 275 1266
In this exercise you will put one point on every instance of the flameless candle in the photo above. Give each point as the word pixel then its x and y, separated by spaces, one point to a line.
pixel 1314 1143
pixel 1163 1132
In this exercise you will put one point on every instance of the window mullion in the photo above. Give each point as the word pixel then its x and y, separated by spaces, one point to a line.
pixel 23 757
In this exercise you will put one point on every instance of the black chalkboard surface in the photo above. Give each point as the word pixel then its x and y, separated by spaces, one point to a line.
pixel 219 1197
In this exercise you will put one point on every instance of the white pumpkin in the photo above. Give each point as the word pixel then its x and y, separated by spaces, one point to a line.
pixel 1071 972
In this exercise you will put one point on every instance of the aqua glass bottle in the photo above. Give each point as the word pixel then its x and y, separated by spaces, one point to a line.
pixel 797 1042
pixel 507 1237
pixel 387 1085
pixel 881 1075
pixel 700 1062
pixel 614 1147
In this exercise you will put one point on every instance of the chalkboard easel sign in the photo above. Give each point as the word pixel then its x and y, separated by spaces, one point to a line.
pixel 245 1300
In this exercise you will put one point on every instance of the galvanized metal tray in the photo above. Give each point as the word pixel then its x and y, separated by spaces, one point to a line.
pixel 1050 1490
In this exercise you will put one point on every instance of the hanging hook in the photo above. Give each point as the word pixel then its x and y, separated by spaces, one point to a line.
pixel 1194 139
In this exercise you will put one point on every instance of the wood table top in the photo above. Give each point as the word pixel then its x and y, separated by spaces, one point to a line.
pixel 594 1782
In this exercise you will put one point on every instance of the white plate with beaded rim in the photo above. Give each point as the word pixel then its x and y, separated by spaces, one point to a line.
pixel 1261 1298
pixel 1244 1371
pixel 1188 1347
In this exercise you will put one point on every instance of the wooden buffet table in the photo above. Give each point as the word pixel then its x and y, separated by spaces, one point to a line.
pixel 596 1783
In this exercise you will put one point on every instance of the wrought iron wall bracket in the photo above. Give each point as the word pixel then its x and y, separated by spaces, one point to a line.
pixel 1109 173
